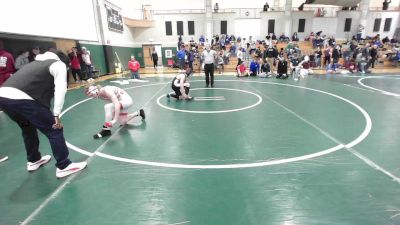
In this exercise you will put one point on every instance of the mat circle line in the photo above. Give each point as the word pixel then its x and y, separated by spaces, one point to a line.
pixel 214 111
pixel 360 138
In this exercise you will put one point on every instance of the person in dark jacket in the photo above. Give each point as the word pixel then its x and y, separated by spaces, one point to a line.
pixel 386 4
pixel 373 56
pixel 154 58
pixel 26 97
pixel 282 68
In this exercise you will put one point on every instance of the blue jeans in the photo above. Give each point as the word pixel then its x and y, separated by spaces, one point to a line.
pixel 30 116
pixel 135 75
pixel 181 63
pixel 89 71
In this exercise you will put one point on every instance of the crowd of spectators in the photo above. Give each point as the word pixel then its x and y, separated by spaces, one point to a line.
pixel 263 58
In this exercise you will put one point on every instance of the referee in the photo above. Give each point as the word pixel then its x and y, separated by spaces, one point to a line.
pixel 208 57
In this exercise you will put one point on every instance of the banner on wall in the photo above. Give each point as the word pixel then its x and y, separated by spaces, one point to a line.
pixel 114 18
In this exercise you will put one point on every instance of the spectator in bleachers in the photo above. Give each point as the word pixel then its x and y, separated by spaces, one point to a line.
pixel 233 49
pixel 346 53
pixel 273 36
pixel 227 40
pixel 33 53
pixel 220 62
pixel 283 38
pixel 395 57
pixel 202 40
pixel 266 7
pixel 254 67
pixel 239 56
pixel 268 40
pixel 386 4
pixel 265 70
pixel 216 7
pixel 327 55
pixel 295 38
pixel 318 57
pixel 305 67
pixel 6 64
pixel 252 47
pixel 336 54
pixel 366 51
pixel 22 59
pixel 192 43
pixel 181 57
pixel 191 57
pixel 393 41
pixel 258 52
pixel 350 66
pixel 363 65
pixel 242 70
pixel 282 68
pixel 385 40
pixel 320 12
pixel 289 46
pixel 270 54
pixel 373 55
pixel 294 62
pixel 301 7
pixel 359 32
pixel 226 57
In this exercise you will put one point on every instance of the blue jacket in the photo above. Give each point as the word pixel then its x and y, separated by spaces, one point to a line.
pixel 181 54
pixel 254 67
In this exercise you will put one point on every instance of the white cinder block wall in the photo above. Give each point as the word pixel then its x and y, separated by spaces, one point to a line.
pixel 329 25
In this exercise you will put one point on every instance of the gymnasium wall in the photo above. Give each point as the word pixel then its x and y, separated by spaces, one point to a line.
pixel 279 18
pixel 158 34
pixel 217 18
pixel 355 17
pixel 383 15
pixel 164 58
pixel 308 16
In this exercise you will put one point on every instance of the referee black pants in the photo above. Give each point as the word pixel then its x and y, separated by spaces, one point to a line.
pixel 209 71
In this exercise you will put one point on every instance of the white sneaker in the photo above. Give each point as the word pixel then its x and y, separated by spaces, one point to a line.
pixel 32 166
pixel 3 158
pixel 72 168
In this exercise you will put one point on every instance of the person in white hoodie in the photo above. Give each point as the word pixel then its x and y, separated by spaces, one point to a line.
pixel 25 97
pixel 88 62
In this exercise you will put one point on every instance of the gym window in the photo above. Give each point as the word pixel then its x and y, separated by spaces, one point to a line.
pixel 179 27
pixel 191 27
pixel 168 28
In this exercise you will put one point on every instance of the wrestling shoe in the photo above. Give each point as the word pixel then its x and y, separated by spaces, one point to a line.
pixel 70 169
pixel 102 133
pixel 3 158
pixel 32 166
pixel 141 114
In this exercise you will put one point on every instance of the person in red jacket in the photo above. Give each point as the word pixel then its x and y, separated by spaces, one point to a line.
pixel 134 66
pixel 75 61
pixel 6 64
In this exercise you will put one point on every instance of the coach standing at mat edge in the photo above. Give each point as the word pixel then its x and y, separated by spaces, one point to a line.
pixel 25 97
pixel 209 57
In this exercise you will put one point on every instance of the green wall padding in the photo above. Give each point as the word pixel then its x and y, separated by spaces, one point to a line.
pixel 124 54
pixel 164 59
